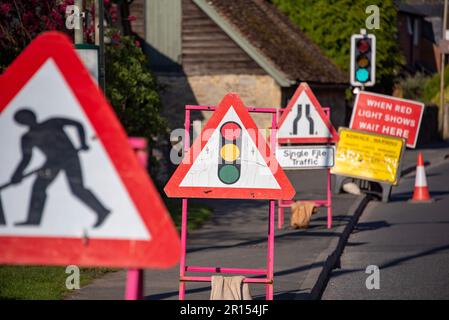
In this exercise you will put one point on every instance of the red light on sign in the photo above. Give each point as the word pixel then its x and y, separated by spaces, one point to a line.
pixel 230 131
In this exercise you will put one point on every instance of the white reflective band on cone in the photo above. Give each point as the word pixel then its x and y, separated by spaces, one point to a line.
pixel 420 180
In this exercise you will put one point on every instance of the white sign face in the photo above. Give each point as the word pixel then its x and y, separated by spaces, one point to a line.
pixel 90 60
pixel 304 121
pixel 313 157
pixel 76 190
pixel 255 172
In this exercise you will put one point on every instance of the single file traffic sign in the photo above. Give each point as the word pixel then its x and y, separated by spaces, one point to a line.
pixel 304 120
pixel 230 159
pixel 72 190
pixel 306 157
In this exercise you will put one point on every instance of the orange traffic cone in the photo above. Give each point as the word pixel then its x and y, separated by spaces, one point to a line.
pixel 421 193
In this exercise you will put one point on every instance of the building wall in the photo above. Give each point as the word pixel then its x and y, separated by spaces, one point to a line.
pixel 329 96
pixel 137 9
pixel 333 97
pixel 254 90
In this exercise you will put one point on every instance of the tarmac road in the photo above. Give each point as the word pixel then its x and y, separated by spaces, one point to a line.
pixel 408 242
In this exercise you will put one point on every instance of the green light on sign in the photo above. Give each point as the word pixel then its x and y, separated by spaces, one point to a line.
pixel 362 75
pixel 228 174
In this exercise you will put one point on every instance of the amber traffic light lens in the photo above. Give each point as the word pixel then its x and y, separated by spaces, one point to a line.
pixel 362 61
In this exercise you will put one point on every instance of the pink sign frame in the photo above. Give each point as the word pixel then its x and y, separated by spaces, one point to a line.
pixel 282 204
pixel 268 272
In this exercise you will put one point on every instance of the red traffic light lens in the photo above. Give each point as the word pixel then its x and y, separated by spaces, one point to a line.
pixel 231 131
pixel 363 45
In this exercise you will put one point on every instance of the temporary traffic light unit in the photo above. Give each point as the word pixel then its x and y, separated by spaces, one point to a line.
pixel 230 145
pixel 363 60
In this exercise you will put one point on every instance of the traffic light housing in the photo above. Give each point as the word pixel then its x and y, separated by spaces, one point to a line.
pixel 229 152
pixel 363 60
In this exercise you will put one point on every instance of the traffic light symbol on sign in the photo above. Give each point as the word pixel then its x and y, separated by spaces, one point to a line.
pixel 230 151
pixel 363 60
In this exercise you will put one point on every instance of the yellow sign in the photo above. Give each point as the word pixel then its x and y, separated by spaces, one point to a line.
pixel 368 156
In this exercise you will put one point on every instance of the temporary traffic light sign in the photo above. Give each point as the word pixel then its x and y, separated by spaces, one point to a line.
pixel 363 60
pixel 72 190
pixel 230 159
pixel 304 120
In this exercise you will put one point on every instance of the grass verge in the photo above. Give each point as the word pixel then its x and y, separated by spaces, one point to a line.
pixel 197 213
pixel 40 282
pixel 48 283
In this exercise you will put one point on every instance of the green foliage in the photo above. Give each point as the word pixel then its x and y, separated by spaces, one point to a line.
pixel 431 91
pixel 412 87
pixel 198 213
pixel 330 24
pixel 40 282
pixel 132 89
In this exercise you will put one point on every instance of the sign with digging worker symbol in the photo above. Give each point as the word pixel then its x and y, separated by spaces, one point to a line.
pixel 71 189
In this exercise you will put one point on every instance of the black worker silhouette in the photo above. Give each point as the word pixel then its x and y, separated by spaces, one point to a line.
pixel 49 137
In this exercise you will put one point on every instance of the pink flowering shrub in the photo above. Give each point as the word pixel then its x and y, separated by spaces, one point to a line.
pixel 22 20
pixel 130 86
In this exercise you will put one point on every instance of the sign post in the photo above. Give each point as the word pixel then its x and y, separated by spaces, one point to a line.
pixel 135 277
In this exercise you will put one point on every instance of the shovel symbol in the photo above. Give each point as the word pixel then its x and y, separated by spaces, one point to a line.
pixel 6 185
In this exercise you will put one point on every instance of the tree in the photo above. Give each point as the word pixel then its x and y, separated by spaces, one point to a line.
pixel 330 24
pixel 22 21
pixel 131 88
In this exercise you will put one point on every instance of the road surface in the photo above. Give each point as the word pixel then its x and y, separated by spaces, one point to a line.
pixel 408 242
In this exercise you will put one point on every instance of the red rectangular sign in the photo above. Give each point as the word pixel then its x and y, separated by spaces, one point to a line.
pixel 387 115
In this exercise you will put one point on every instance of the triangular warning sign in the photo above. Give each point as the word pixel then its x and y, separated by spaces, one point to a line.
pixel 304 120
pixel 71 189
pixel 230 159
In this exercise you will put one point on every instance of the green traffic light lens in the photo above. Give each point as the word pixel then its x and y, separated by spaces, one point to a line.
pixel 228 174
pixel 362 75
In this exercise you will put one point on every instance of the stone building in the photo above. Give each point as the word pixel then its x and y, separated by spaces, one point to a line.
pixel 202 49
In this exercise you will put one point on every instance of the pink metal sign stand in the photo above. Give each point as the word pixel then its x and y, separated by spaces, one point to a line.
pixel 282 204
pixel 269 271
pixel 134 277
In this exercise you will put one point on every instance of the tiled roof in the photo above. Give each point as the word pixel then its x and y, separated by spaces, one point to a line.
pixel 281 42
